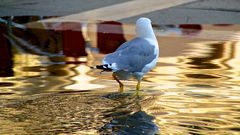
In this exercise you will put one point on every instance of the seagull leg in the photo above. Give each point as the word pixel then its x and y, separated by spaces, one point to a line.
pixel 119 82
pixel 138 88
pixel 138 85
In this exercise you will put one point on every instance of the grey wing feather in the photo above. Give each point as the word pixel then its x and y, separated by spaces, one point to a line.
pixel 132 56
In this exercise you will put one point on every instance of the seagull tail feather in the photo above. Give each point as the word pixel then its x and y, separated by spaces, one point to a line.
pixel 105 67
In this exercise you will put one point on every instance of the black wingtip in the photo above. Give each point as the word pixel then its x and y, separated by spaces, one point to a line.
pixel 104 67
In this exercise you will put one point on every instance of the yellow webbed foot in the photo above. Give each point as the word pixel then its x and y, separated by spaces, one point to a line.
pixel 120 90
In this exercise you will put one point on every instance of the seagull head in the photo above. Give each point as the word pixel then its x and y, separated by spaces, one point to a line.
pixel 143 20
pixel 144 28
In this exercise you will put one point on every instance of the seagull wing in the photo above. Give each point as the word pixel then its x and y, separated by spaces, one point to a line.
pixel 132 56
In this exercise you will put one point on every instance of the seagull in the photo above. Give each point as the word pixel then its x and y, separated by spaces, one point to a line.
pixel 134 58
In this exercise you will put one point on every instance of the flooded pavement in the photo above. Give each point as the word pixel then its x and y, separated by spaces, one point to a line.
pixel 48 87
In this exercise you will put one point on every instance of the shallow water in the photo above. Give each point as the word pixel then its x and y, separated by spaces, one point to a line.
pixel 48 87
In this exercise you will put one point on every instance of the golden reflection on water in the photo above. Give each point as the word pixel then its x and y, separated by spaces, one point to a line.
pixel 82 81
pixel 193 90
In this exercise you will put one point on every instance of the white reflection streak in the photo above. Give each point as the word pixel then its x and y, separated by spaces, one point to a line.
pixel 236 36
pixel 82 80
pixel 219 35
pixel 234 61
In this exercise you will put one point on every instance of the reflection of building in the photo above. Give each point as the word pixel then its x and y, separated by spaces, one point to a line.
pixel 109 36
pixel 231 58
pixel 73 42
pixel 211 63
pixel 52 38
pixel 190 29
pixel 207 57
pixel 206 53
pixel 6 62
pixel 43 43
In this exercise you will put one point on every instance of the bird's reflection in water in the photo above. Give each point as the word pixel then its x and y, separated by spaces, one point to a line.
pixel 138 123
pixel 130 119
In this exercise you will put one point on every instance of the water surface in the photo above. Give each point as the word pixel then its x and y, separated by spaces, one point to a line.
pixel 48 87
